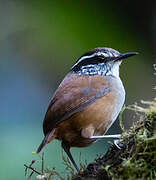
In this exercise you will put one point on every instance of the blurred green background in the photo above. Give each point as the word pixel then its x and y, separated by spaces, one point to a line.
pixel 39 42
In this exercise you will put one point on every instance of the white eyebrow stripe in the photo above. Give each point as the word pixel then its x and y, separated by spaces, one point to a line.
pixel 95 54
pixel 105 54
pixel 84 57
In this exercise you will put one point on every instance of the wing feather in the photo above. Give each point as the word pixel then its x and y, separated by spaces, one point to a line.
pixel 73 95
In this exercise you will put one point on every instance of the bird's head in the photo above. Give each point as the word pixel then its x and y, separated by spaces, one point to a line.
pixel 102 61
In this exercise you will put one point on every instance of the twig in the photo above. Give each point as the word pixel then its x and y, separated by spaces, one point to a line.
pixel 29 167
pixel 32 162
pixel 42 163
pixel 120 118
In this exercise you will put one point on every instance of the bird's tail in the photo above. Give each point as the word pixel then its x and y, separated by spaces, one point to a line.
pixel 48 138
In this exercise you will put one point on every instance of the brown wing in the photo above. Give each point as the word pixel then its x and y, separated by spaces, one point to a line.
pixel 73 95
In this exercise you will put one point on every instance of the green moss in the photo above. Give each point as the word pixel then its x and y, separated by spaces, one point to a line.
pixel 139 160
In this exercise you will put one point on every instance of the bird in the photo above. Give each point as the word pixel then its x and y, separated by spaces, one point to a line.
pixel 87 101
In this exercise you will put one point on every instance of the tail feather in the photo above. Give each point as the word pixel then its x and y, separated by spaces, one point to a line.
pixel 45 141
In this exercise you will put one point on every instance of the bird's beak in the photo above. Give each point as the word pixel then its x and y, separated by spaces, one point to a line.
pixel 125 55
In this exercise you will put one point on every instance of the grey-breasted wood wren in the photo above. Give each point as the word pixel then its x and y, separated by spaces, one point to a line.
pixel 87 101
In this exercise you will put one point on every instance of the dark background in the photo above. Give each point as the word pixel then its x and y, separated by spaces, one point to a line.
pixel 39 42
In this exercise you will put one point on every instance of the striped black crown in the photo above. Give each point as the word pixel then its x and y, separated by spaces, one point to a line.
pixel 96 56
pixel 100 55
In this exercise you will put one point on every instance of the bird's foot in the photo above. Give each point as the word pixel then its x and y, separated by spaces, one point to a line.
pixel 116 142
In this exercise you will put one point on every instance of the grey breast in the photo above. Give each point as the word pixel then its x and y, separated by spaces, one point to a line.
pixel 117 87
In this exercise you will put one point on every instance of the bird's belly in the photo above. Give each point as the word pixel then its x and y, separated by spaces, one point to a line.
pixel 98 117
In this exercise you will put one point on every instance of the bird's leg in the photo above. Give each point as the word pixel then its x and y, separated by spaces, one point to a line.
pixel 67 150
pixel 106 136
pixel 109 136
